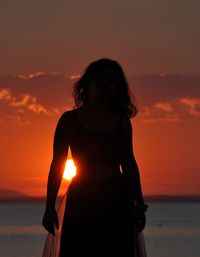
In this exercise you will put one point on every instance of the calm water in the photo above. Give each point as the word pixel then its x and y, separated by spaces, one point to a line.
pixel 172 230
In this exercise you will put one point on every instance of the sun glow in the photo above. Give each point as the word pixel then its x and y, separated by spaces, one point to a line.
pixel 70 170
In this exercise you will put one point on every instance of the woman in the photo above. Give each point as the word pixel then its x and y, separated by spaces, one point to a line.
pixel 103 211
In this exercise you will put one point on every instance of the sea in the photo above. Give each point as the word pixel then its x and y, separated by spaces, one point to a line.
pixel 172 229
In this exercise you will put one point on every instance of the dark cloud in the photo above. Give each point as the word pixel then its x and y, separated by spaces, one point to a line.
pixel 152 88
pixel 159 97
pixel 40 93
pixel 50 89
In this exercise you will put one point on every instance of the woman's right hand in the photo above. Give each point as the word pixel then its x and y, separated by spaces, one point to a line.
pixel 49 219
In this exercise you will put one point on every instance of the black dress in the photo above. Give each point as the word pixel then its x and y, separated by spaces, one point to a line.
pixel 99 213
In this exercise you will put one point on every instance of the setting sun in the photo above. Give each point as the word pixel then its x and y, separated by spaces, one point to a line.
pixel 70 170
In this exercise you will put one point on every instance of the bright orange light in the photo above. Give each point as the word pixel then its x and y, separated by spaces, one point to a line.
pixel 70 170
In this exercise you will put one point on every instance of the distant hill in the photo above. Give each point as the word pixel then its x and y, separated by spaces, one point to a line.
pixel 172 198
pixel 9 195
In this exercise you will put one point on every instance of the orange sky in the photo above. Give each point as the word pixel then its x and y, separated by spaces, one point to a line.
pixel 165 131
pixel 157 45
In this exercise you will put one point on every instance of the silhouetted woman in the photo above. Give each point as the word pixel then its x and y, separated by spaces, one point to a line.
pixel 103 210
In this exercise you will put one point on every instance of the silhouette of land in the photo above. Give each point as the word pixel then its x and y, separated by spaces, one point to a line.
pixel 9 195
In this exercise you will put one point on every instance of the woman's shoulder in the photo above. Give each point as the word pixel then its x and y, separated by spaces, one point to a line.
pixel 66 114
pixel 65 117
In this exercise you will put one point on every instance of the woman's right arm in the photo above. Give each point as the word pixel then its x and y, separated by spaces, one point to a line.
pixel 60 151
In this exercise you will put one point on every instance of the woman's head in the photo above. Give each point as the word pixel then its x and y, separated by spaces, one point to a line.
pixel 104 79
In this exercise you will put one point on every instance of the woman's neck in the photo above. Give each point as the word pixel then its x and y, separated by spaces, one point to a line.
pixel 100 107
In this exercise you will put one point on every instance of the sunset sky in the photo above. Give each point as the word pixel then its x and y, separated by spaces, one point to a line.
pixel 45 46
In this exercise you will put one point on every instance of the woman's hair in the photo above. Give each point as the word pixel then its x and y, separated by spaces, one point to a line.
pixel 122 99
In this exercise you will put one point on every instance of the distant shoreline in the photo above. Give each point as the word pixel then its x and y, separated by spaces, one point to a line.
pixel 147 198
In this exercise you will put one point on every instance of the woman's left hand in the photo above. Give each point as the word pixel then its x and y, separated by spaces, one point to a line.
pixel 140 220
pixel 141 217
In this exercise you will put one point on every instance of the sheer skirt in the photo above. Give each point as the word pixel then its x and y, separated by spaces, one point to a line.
pixel 89 241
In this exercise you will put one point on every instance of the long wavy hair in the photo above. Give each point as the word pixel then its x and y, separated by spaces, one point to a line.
pixel 122 99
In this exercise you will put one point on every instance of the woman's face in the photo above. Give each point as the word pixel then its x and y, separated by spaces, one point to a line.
pixel 102 87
